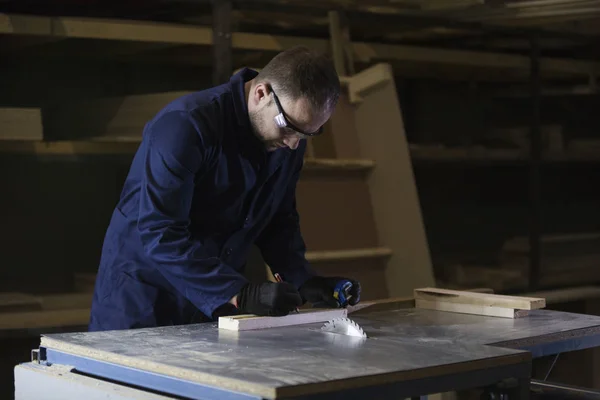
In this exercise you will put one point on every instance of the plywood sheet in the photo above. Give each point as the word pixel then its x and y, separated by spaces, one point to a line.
pixel 336 213
pixel 394 197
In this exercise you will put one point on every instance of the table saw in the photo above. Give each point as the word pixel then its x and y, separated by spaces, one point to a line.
pixel 408 352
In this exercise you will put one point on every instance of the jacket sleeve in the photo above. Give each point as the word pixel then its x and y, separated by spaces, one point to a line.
pixel 281 243
pixel 174 153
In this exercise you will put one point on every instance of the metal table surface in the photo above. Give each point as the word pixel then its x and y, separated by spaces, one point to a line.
pixel 409 352
pixel 542 332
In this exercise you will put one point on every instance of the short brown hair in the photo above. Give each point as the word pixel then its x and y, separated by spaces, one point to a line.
pixel 302 72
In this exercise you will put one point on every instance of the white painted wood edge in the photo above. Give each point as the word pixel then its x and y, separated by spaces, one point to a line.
pixel 247 322
pixel 489 311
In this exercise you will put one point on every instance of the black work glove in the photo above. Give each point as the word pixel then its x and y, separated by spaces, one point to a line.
pixel 268 299
pixel 321 291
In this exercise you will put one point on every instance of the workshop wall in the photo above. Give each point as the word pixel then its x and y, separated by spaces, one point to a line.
pixel 471 207
pixel 55 209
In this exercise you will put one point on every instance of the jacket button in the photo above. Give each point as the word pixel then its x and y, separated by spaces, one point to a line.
pixel 228 252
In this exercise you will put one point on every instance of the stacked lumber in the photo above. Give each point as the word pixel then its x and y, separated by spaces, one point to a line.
pixel 466 302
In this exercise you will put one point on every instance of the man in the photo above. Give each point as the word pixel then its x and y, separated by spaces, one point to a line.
pixel 215 173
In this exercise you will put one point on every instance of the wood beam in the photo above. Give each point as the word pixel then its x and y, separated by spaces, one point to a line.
pixel 481 299
pixel 93 28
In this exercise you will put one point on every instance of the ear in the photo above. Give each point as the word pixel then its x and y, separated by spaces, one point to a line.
pixel 260 94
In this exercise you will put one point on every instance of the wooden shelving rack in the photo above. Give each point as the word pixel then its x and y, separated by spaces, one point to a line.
pixel 357 196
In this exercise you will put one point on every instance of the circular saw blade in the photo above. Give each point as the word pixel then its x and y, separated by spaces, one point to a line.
pixel 344 326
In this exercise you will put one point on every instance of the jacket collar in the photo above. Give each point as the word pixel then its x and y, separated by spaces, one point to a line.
pixel 240 103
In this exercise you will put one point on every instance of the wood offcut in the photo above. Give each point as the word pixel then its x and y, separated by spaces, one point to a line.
pixel 476 303
pixel 250 322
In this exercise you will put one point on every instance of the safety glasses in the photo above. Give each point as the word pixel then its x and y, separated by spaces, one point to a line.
pixel 283 122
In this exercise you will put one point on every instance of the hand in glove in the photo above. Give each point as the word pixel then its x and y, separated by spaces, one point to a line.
pixel 334 292
pixel 268 299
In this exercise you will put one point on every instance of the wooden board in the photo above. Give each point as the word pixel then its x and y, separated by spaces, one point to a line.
pixel 476 309
pixel 394 303
pixel 251 322
pixel 479 299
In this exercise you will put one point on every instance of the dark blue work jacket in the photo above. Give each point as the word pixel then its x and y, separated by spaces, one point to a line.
pixel 200 192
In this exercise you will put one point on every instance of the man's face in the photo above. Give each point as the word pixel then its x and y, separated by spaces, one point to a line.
pixel 263 109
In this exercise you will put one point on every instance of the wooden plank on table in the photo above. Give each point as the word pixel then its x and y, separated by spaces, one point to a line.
pixel 395 303
pixel 476 309
pixel 250 322
pixel 479 299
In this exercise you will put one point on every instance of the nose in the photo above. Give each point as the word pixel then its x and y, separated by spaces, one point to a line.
pixel 291 142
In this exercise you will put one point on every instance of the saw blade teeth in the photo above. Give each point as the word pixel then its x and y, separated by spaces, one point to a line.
pixel 344 325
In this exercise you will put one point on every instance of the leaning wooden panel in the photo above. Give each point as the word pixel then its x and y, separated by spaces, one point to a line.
pixel 343 129
pixel 394 197
pixel 335 212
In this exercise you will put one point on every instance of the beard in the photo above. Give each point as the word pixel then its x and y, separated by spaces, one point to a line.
pixel 257 122
pixel 258 127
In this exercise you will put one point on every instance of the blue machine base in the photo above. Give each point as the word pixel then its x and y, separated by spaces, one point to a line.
pixel 171 386
pixel 144 380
